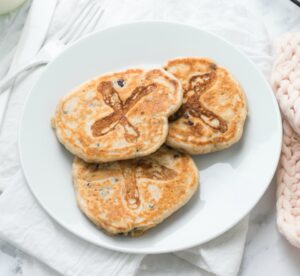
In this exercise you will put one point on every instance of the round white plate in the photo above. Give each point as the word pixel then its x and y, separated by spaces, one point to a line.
pixel 232 181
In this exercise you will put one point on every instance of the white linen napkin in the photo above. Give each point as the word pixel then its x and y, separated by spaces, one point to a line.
pixel 23 222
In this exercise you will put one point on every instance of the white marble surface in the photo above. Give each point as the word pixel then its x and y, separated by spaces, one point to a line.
pixel 266 252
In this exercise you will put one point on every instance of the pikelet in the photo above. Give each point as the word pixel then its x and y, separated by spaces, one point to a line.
pixel 118 116
pixel 214 108
pixel 131 196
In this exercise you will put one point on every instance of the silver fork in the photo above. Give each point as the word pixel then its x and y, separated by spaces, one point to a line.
pixel 82 22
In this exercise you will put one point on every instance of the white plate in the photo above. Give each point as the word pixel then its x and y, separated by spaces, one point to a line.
pixel 232 181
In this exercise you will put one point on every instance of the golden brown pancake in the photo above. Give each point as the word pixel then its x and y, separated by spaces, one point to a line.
pixel 214 110
pixel 118 116
pixel 131 196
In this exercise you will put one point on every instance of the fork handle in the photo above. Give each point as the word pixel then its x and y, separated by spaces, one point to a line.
pixel 7 81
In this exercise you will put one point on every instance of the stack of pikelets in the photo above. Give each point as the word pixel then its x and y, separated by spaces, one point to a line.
pixel 125 180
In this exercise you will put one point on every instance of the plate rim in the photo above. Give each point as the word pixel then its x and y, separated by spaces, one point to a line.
pixel 188 244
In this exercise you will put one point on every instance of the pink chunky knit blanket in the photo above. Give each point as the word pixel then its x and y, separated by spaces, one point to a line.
pixel 285 81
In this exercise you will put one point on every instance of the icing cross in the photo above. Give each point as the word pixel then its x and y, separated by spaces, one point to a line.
pixel 120 109
pixel 149 169
pixel 192 106
pixel 132 170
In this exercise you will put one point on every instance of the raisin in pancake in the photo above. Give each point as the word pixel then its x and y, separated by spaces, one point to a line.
pixel 131 196
pixel 118 116
pixel 214 110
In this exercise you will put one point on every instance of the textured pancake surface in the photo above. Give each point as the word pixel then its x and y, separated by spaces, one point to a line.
pixel 214 109
pixel 118 116
pixel 131 196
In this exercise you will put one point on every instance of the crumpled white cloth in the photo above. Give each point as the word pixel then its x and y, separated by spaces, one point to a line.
pixel 11 26
pixel 47 247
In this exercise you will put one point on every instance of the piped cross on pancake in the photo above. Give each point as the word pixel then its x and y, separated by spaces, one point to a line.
pixel 112 99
